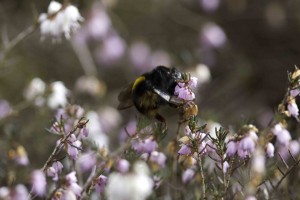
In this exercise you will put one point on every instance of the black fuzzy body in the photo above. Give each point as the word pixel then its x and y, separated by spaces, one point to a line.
pixel 145 99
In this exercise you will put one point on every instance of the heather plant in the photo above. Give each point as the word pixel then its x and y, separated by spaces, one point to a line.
pixel 92 155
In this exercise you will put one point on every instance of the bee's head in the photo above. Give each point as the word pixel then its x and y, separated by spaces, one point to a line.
pixel 176 75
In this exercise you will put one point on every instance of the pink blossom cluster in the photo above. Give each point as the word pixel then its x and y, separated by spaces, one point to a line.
pixel 284 141
pixel 148 148
pixel 184 89
pixel 246 146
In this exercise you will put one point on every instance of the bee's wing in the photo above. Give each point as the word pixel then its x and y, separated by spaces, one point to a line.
pixel 125 98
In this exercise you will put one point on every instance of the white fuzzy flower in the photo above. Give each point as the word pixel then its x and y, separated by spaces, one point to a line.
pixel 58 96
pixel 96 134
pixel 35 91
pixel 59 20
pixel 258 164
pixel 133 186
pixel 54 7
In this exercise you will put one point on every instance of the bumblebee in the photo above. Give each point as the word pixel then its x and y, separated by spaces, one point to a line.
pixel 151 90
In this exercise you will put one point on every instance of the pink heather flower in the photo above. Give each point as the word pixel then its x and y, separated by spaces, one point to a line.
pixel 188 175
pixel 210 5
pixel 270 150
pixel 294 147
pixel 202 148
pixel 232 148
pixel 187 130
pixel 39 183
pixel 128 131
pixel 110 118
pixel 284 137
pixel 54 170
pixel 246 147
pixel 112 49
pixel 20 193
pixel 145 146
pixel 66 195
pixel 250 198
pixel 73 147
pixel 193 82
pixel 22 160
pixel 210 147
pixel 225 167
pixel 293 109
pixel 277 129
pixel 87 161
pixel 253 135
pixel 139 54
pixel 72 183
pixel 184 150
pixel 295 92
pixel 184 93
pixel 213 35
pixel 101 182
pixel 123 166
pixel 84 133
pixel 5 109
pixel 99 23
pixel 158 158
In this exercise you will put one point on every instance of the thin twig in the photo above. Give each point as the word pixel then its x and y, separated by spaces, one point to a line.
pixel 202 177
pixel 60 145
pixel 15 41
pixel 286 174
pixel 286 165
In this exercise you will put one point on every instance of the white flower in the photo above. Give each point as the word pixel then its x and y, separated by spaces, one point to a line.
pixel 284 137
pixel 258 163
pixel 58 96
pixel 270 150
pixel 54 7
pixel 35 91
pixel 225 167
pixel 59 20
pixel 4 193
pixel 202 72
pixel 293 109
pixel 134 186
pixel 96 133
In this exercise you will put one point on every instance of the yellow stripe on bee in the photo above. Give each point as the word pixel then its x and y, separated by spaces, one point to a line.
pixel 138 81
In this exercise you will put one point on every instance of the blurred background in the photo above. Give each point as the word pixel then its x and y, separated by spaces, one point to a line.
pixel 240 50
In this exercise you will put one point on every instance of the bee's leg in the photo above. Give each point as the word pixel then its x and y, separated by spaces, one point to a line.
pixel 160 118
pixel 174 101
